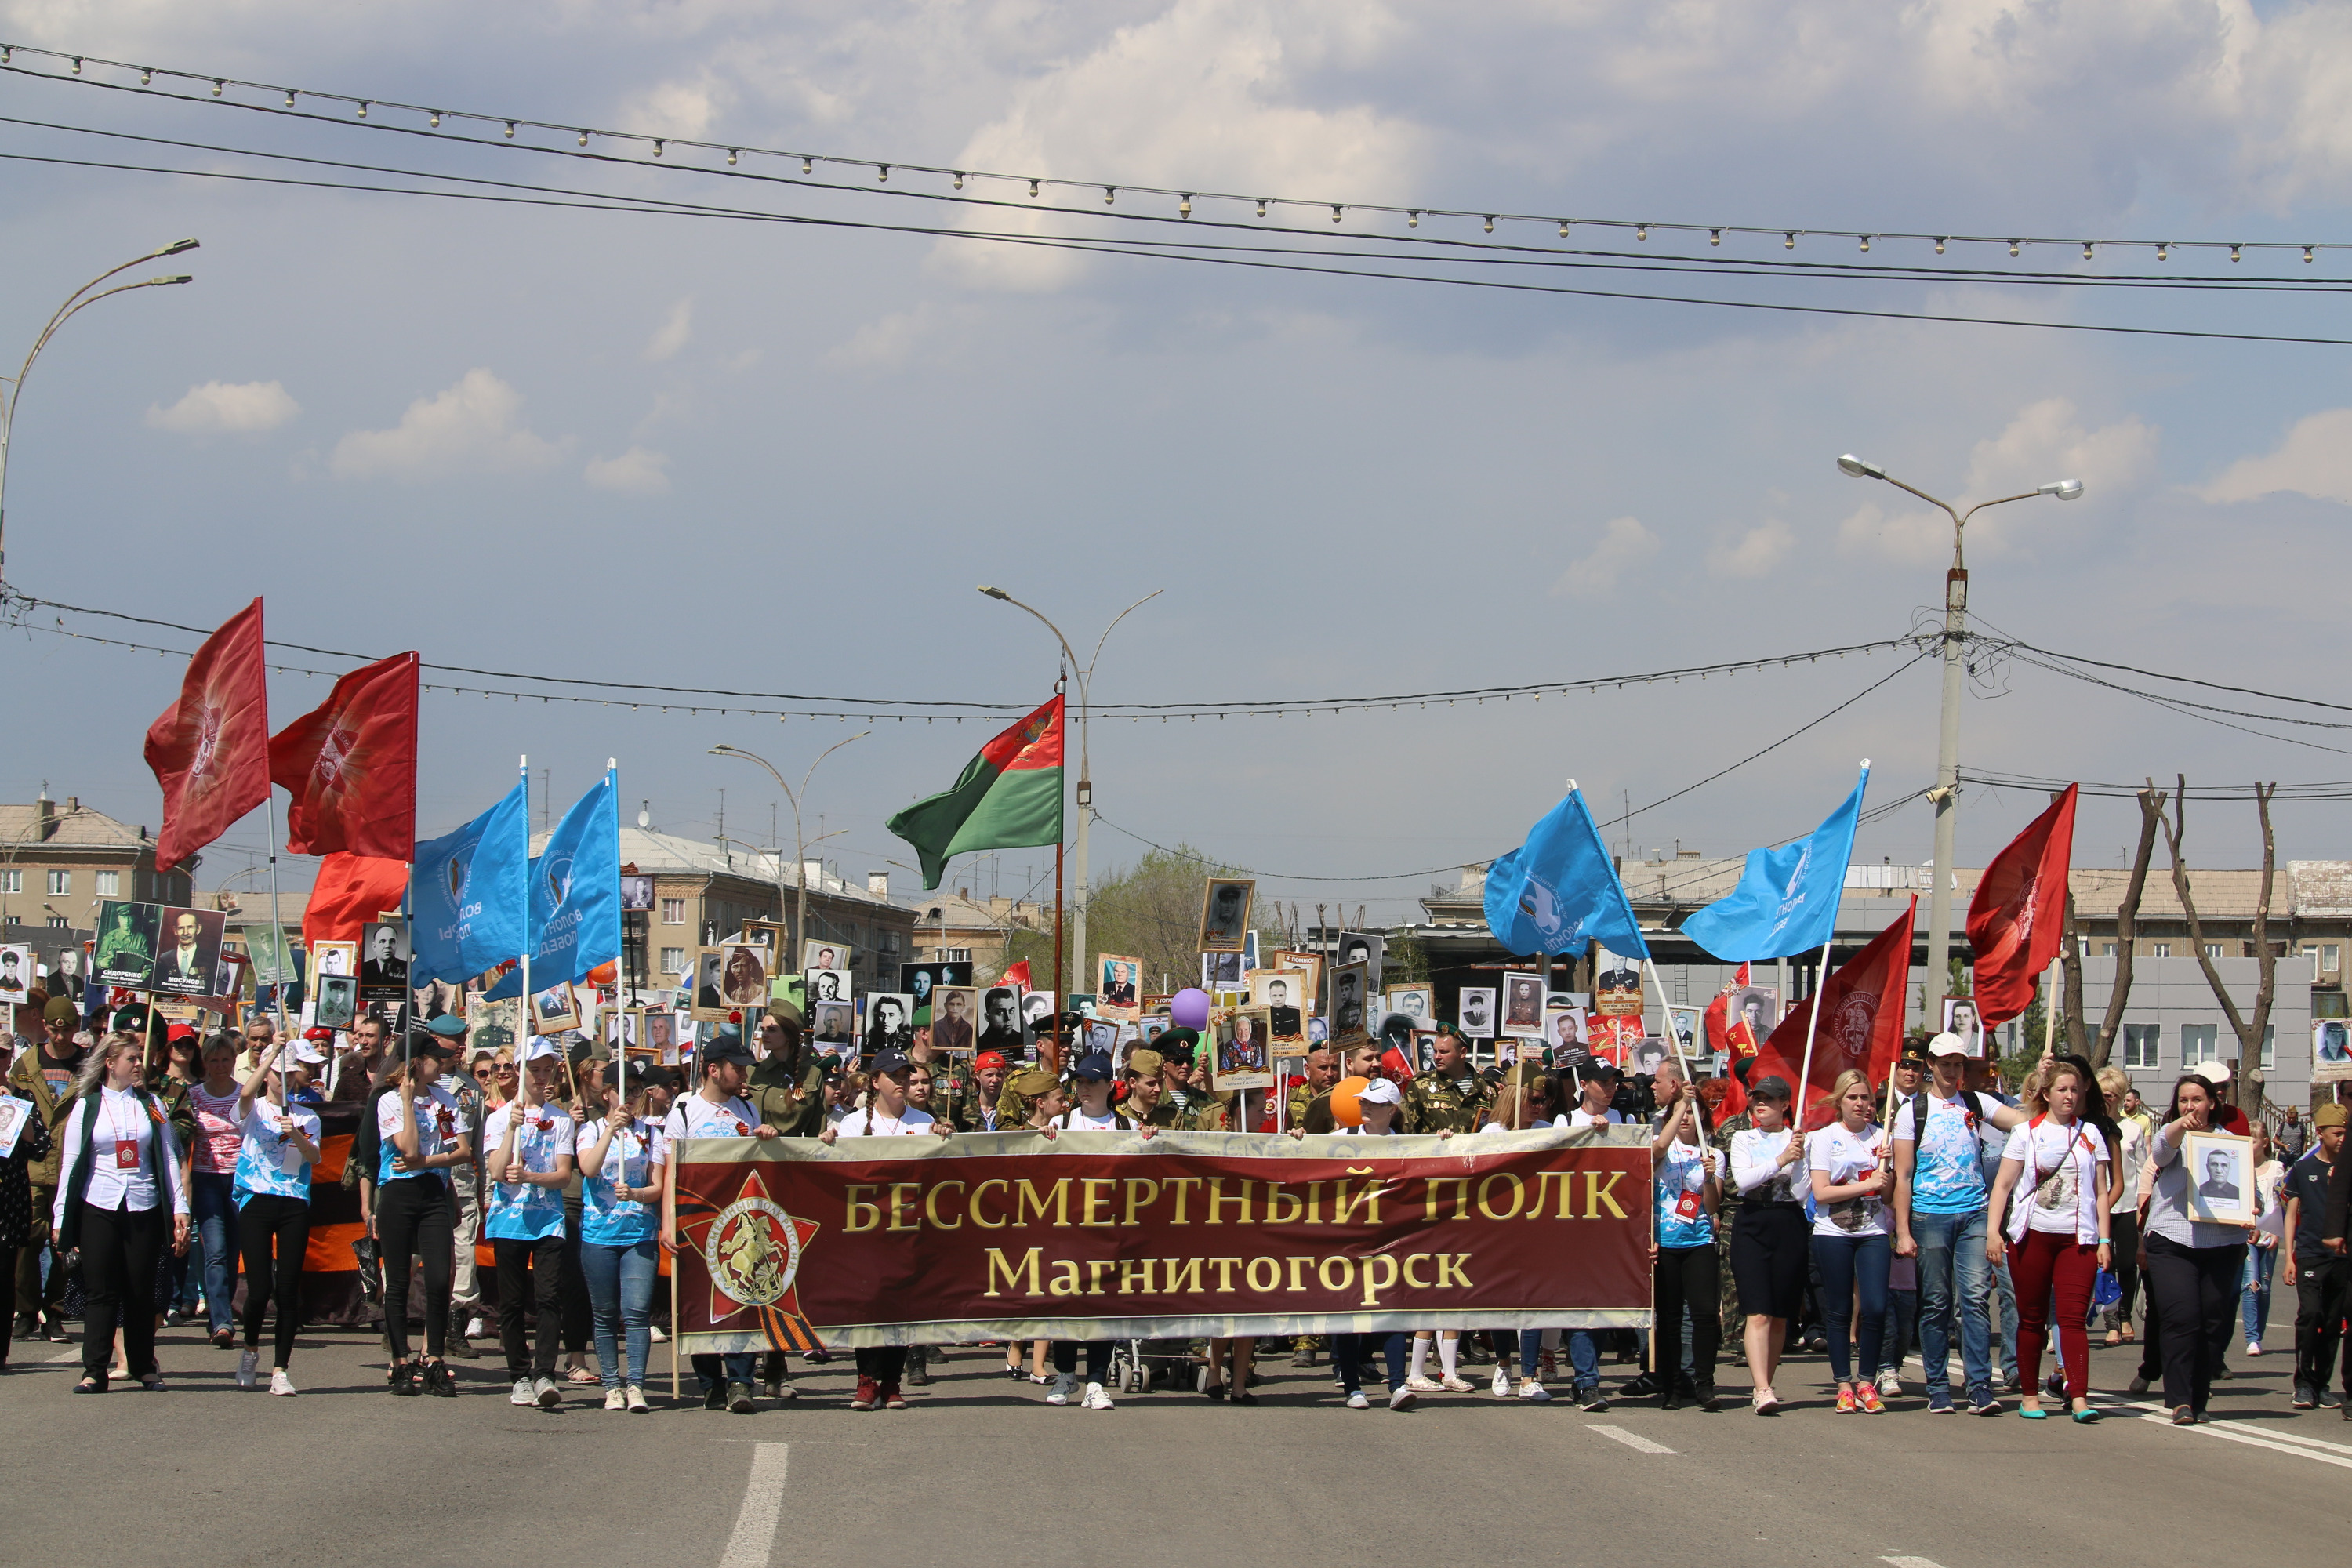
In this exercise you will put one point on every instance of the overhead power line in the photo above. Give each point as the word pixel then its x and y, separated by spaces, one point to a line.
pixel 206 87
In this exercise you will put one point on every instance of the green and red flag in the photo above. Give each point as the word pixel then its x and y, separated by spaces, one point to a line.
pixel 1010 797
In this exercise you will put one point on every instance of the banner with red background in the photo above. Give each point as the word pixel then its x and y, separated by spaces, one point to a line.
pixel 790 1243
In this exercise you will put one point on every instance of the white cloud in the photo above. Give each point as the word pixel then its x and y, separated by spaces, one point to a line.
pixel 470 426
pixel 2315 460
pixel 638 470
pixel 218 407
pixel 671 335
pixel 1756 553
pixel 884 344
pixel 1622 544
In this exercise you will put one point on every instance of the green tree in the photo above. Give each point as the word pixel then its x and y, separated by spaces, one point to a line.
pixel 1150 912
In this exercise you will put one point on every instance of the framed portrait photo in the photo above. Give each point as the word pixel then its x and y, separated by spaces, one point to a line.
pixel 1416 1002
pixel 827 954
pixel 1689 1030
pixel 1310 965
pixel 831 1023
pixel 636 893
pixel 743 975
pixel 889 1021
pixel 1564 1034
pixel 1367 948
pixel 334 958
pixel 554 1010
pixel 2220 1167
pixel 1474 1008
pixel 1351 1000
pixel 14 1114
pixel 1960 1018
pixel 337 999
pixel 828 986
pixel 1244 1054
pixel 1282 994
pixel 17 972
pixel 383 961
pixel 1219 971
pixel 1523 1004
pixel 1225 915
pixel 1119 991
pixel 955 1019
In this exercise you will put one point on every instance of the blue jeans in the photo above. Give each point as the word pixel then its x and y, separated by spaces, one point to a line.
pixel 1955 1279
pixel 212 1204
pixel 1848 1264
pixel 708 1372
pixel 1347 1356
pixel 621 1298
pixel 1584 1358
pixel 2004 1302
pixel 2259 1260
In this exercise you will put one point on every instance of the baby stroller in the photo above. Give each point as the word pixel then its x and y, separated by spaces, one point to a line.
pixel 1139 1366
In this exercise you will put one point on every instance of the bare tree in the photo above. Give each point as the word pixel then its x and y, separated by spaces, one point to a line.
pixel 2249 1029
pixel 2151 812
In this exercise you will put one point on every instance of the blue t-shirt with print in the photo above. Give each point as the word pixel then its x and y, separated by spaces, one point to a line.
pixel 1948 1176
pixel 1683 1218
pixel 526 1211
pixel 269 1165
pixel 440 1124
pixel 604 1219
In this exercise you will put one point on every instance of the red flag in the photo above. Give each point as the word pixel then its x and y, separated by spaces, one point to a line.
pixel 1016 975
pixel 1862 1009
pixel 210 750
pixel 1394 1067
pixel 351 890
pixel 351 766
pixel 1740 979
pixel 2017 922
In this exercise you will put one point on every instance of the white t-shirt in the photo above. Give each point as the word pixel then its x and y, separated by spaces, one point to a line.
pixel 1580 1117
pixel 871 1123
pixel 1077 1120
pixel 2071 1157
pixel 440 1123
pixel 1846 1158
pixel 695 1117
pixel 1756 1170
pixel 2135 1155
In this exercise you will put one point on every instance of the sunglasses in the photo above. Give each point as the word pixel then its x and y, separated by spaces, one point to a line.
pixel 482 1073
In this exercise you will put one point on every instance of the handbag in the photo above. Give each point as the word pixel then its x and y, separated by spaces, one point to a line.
pixel 370 1258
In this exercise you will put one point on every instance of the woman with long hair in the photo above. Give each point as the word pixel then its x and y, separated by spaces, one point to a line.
pixel 886 1115
pixel 2056 1234
pixel 2193 1266
pixel 212 1186
pixel 1847 1161
pixel 1767 1235
pixel 279 1146
pixel 2262 1246
pixel 1686 1191
pixel 421 1134
pixel 622 1156
pixel 120 1180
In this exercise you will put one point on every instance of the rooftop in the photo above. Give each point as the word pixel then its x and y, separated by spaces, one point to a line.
pixel 76 827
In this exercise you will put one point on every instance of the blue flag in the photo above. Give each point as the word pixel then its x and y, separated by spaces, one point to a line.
pixel 1558 890
pixel 465 897
pixel 575 891
pixel 1787 900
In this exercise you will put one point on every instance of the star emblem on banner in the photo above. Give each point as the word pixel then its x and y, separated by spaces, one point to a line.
pixel 752 1250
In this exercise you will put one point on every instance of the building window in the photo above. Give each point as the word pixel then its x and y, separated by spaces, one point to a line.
pixel 673 911
pixel 2196 1045
pixel 673 960
pixel 2140 1043
pixel 110 884
pixel 2163 950
pixel 12 918
pixel 12 882
pixel 889 942
pixel 2270 1047
pixel 61 883
pixel 58 922
pixel 2212 950
pixel 2109 950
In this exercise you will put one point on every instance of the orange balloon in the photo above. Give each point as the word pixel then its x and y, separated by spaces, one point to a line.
pixel 1347 1108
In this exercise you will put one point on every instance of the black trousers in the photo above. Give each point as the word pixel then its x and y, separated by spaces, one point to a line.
pixel 1686 1278
pixel 2194 1292
pixel 7 1320
pixel 268 1222
pixel 579 1318
pixel 1066 1358
pixel 416 1221
pixel 119 1249
pixel 542 1263
pixel 33 1297
pixel 886 1364
pixel 2122 1226
pixel 2319 1303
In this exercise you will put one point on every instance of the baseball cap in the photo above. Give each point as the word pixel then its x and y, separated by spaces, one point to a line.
pixel 1947 1045
pixel 1380 1091
pixel 890 1062
pixel 1094 1065
pixel 727 1048
pixel 540 1050
pixel 307 1054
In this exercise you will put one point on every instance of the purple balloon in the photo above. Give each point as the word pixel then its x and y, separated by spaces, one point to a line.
pixel 1190 1008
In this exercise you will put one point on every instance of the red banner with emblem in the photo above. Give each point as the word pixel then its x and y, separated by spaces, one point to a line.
pixel 788 1242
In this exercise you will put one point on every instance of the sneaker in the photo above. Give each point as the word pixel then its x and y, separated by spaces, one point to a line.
pixel 1866 1398
pixel 1940 1402
pixel 249 1362
pixel 1673 1397
pixel 1356 1400
pixel 440 1382
pixel 2303 1398
pixel 25 1327
pixel 2054 1386
pixel 636 1401
pixel 1502 1382
pixel 656 1331
pixel 715 1398
pixel 1890 1383
pixel 2008 1380
pixel 916 1374
pixel 1591 1398
pixel 1533 1390
pixel 1423 1384
pixel 546 1395
pixel 474 1329
pixel 2184 1416
pixel 1096 1399
pixel 1846 1403
pixel 891 1398
pixel 2254 1347
pixel 524 1394
pixel 1982 1403
pixel 281 1384
pixel 1765 1402
pixel 1640 1387
pixel 781 1389
pixel 867 1392
pixel 1453 1383
pixel 1063 1384
pixel 1402 1398
pixel 408 1379
pixel 2329 1401
pixel 615 1400
pixel 738 1398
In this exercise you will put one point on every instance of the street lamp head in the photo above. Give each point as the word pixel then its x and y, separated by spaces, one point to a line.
pixel 165 282
pixel 176 246
pixel 2064 489
pixel 1855 468
pixel 993 593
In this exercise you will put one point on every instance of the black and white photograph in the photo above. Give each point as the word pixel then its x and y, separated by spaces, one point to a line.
pixel 743 975
pixel 701 984
pixel 1243 1057
pixel 1649 1056
pixel 920 980
pixel 383 961
pixel 1282 992
pixel 1225 916
pixel 1119 988
pixel 127 936
pixel 1568 999
pixel 828 986
pixel 955 1017
pixel 16 972
pixel 1367 948
pixel 1318 1030
pixel 637 894
pixel 1220 971
pixel 1687 1025
pixel 1758 1007
pixel 336 1003
pixel 1001 1024
pixel 1473 1009
pixel 1102 1035
pixel 1037 1010
pixel 1523 1004
pixel 1564 1031
pixel 1351 988
pixel 1152 1026
pixel 817 956
pixel 2221 1168
pixel 2331 1050
pixel 1415 1001
pixel 553 1010
pixel 1310 967
pixel 1960 1018
pixel 889 1021
pixel 832 1021
pixel 13 1115
pixel 334 958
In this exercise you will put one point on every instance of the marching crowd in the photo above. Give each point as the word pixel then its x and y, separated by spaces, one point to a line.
pixel 156 1165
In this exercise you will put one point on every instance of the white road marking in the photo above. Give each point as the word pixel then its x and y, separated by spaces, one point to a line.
pixel 1911 1562
pixel 1640 1444
pixel 2301 1447
pixel 763 1504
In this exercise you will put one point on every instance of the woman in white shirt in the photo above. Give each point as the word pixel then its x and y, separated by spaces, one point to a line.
pixel 1847 1161
pixel 2057 1228
pixel 1768 1234
pixel 118 1181
pixel 1091 1076
pixel 2193 1266
pixel 279 1146
pixel 885 1114
pixel 2123 1213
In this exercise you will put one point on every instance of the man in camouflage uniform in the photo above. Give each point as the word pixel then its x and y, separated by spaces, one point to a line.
pixel 1450 1096
pixel 1185 1083
pixel 1322 1072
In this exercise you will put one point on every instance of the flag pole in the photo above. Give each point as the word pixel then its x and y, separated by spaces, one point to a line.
pixel 277 932
pixel 1812 1025
pixel 1666 1018
pixel 620 1041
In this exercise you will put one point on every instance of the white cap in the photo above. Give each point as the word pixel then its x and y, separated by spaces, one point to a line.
pixel 540 1050
pixel 1947 1045
pixel 307 1054
pixel 1380 1091
pixel 2215 1073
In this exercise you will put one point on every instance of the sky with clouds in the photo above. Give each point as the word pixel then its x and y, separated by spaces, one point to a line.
pixel 780 457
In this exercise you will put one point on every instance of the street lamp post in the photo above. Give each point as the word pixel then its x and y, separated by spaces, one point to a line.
pixel 1947 793
pixel 1085 795
pixel 13 387
pixel 800 846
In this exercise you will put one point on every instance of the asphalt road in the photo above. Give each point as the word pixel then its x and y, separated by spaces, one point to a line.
pixel 980 1471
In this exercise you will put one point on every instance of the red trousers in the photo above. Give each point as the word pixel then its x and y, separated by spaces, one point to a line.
pixel 2043 1265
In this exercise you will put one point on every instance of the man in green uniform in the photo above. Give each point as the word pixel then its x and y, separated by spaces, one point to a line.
pixel 1322 1072
pixel 1361 1061
pixel 982 1109
pixel 1147 1103
pixel 787 1090
pixel 1450 1096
